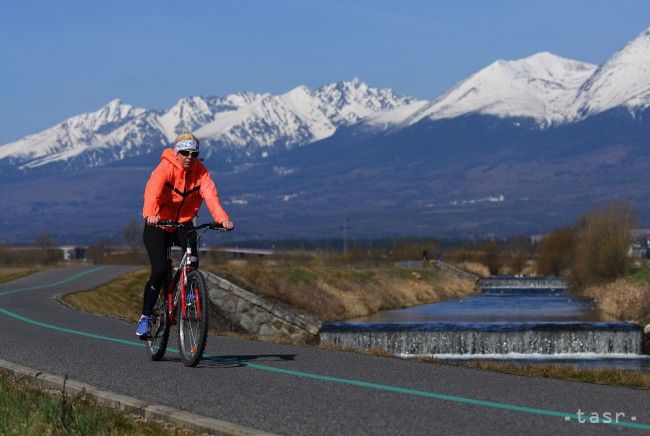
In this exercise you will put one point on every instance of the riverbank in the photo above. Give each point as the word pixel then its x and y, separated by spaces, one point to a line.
pixel 332 291
pixel 626 299
pixel 622 299
pixel 324 289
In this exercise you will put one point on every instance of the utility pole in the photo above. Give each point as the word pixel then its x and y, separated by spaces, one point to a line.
pixel 345 229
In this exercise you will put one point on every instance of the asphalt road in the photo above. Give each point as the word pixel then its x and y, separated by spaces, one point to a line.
pixel 296 390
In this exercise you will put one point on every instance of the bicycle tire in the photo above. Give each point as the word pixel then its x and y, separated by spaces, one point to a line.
pixel 160 325
pixel 193 328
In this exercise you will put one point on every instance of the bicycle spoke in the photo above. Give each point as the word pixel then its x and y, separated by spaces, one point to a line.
pixel 193 326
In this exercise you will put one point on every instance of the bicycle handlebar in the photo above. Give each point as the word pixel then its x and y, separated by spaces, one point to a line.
pixel 175 224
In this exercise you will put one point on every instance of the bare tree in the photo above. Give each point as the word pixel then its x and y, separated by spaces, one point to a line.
pixel 49 251
pixel 602 244
pixel 556 251
pixel 132 235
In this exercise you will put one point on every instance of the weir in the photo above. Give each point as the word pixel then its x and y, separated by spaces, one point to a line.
pixel 522 283
pixel 550 338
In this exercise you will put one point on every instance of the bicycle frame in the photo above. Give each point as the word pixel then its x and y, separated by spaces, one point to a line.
pixel 180 277
pixel 192 316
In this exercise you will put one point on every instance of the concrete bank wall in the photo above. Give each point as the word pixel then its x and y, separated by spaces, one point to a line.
pixel 454 270
pixel 253 314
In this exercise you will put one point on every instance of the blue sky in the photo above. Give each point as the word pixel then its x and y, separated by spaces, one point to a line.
pixel 62 58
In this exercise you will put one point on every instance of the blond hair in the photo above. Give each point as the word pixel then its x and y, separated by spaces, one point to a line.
pixel 185 136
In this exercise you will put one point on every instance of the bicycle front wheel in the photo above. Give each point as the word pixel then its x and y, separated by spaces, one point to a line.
pixel 193 326
pixel 157 343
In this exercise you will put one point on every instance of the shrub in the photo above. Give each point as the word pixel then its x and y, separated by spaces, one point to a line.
pixel 556 251
pixel 602 244
pixel 492 256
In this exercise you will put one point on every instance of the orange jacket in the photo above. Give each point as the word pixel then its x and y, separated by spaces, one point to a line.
pixel 175 194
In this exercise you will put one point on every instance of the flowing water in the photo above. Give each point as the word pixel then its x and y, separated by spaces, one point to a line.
pixel 531 324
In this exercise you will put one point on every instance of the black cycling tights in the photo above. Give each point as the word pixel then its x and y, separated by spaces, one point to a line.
pixel 157 242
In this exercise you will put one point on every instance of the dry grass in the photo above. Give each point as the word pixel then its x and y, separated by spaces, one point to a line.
pixel 121 298
pixel 613 377
pixel 622 299
pixel 9 273
pixel 331 292
pixel 474 267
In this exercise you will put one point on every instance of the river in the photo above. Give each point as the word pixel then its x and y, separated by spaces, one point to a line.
pixel 514 323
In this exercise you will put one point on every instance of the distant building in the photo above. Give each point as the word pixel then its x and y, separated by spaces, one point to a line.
pixel 72 252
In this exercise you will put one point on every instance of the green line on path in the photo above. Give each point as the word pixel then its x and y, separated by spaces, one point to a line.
pixel 60 282
pixel 360 383
pixel 567 416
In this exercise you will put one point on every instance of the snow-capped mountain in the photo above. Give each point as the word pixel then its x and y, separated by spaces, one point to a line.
pixel 298 117
pixel 243 123
pixel 190 113
pixel 538 87
pixel 90 132
pixel 545 88
pixel 623 80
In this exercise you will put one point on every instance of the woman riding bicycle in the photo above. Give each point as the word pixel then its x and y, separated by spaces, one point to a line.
pixel 175 192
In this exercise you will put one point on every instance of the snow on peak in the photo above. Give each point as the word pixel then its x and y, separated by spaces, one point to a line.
pixel 623 80
pixel 545 87
pixel 186 115
pixel 300 115
pixel 539 87
pixel 71 137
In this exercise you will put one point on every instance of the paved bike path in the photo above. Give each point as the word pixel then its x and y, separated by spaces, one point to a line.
pixel 295 390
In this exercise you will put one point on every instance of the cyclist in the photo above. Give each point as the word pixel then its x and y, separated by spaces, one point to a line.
pixel 175 191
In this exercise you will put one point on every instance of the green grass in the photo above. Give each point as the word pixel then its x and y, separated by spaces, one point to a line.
pixel 641 273
pixel 298 275
pixel 25 410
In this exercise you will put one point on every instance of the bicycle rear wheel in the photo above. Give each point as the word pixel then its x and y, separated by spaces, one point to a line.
pixel 157 344
pixel 193 327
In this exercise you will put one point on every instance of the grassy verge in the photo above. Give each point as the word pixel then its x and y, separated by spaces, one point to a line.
pixel 603 376
pixel 121 298
pixel 9 273
pixel 25 410
pixel 612 377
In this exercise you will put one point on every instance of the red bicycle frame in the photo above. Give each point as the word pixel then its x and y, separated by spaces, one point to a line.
pixel 181 278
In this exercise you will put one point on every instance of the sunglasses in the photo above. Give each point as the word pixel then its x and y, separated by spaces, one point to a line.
pixel 189 153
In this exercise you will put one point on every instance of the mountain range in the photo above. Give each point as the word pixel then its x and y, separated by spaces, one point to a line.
pixel 519 146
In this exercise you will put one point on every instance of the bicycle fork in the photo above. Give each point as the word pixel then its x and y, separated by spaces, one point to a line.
pixel 183 281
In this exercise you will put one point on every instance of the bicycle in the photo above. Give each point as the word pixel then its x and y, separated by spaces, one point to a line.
pixel 184 302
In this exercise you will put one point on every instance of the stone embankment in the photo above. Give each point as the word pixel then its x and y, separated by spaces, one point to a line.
pixel 454 270
pixel 257 316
